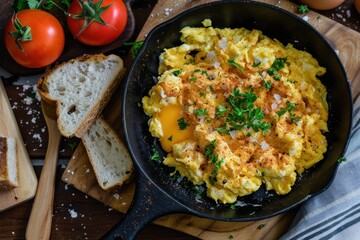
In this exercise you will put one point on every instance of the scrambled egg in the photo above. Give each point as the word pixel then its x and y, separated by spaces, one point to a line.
pixel 235 109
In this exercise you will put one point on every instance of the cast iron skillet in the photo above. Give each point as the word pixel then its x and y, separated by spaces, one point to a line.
pixel 156 193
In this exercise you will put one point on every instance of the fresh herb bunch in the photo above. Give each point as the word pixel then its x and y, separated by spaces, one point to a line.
pixel 241 113
pixel 46 5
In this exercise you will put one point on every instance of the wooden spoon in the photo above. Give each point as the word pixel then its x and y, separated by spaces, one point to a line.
pixel 39 225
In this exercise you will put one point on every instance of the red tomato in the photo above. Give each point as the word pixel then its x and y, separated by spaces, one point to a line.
pixel 47 39
pixel 97 34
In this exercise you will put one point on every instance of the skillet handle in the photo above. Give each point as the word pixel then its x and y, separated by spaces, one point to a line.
pixel 149 203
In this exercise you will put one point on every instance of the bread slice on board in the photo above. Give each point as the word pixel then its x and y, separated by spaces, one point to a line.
pixel 108 156
pixel 80 88
pixel 8 163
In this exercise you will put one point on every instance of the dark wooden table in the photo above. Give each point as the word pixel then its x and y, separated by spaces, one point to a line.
pixel 77 216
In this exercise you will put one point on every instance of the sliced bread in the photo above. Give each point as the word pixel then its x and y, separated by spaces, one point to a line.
pixel 108 156
pixel 80 88
pixel 8 163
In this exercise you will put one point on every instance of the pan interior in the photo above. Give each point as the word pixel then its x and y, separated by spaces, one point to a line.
pixel 274 23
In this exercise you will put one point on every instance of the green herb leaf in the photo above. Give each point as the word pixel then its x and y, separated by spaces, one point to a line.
pixel 267 84
pixel 192 79
pixel 244 113
pixel 220 111
pixel 303 9
pixel 155 156
pixel 256 64
pixel 234 64
pixel 341 159
pixel 278 64
pixel 135 47
pixel 203 95
pixel 20 5
pixel 261 226
pixel 170 138
pixel 34 4
pixel 176 73
pixel 182 124
pixel 72 145
pixel 197 70
pixel 223 129
pixel 200 112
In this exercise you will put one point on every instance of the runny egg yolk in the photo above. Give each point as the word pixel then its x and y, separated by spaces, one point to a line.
pixel 172 134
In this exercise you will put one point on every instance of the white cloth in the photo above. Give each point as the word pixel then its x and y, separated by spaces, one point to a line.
pixel 335 213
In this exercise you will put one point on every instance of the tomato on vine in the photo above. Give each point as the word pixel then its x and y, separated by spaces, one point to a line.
pixel 97 22
pixel 34 38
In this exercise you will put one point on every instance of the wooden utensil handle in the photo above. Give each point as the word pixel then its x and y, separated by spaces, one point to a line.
pixel 39 225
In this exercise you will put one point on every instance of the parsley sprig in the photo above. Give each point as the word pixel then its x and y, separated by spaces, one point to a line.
pixel 182 124
pixel 303 9
pixel 234 64
pixel 242 112
pixel 289 108
pixel 278 64
pixel 214 160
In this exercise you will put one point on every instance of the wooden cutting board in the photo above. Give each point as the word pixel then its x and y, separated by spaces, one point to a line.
pixel 79 173
pixel 27 177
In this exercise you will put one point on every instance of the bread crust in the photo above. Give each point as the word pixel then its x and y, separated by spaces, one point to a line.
pixel 115 135
pixel 42 87
pixel 5 183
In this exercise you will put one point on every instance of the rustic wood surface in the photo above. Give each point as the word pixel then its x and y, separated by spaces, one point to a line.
pixel 27 178
pixel 78 216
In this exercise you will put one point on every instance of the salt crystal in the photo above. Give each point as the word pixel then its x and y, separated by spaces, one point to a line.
pixel 116 196
pixel 264 145
pixel 306 18
pixel 73 214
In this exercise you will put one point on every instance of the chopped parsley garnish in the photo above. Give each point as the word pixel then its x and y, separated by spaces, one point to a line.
pixel 31 94
pixel 278 64
pixel 277 77
pixel 234 64
pixel 170 138
pixel 242 112
pixel 197 70
pixel 341 159
pixel 135 47
pixel 192 79
pixel 303 9
pixel 203 95
pixel 204 73
pixel 267 84
pixel 293 118
pixel 176 73
pixel 256 64
pixel 211 88
pixel 261 226
pixel 190 61
pixel 223 129
pixel 289 108
pixel 290 81
pixel 72 145
pixel 200 112
pixel 155 156
pixel 182 124
pixel 220 111
pixel 214 160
